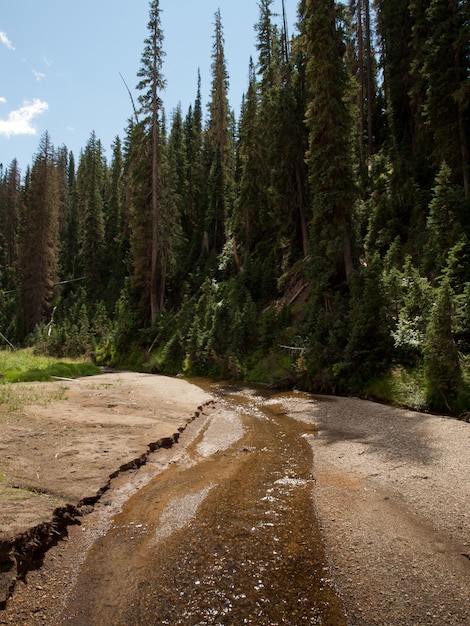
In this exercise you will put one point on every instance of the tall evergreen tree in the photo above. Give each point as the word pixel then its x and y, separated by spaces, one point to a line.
pixel 115 228
pixel 442 363
pixel 332 189
pixel 445 70
pixel 250 172
pixel 218 147
pixel 329 153
pixel 395 33
pixel 282 138
pixel 193 211
pixel 10 201
pixel 151 85
pixel 70 241
pixel 443 227
pixel 91 175
pixel 138 173
pixel 38 249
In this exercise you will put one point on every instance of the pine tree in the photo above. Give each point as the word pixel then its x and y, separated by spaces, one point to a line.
pixel 192 215
pixel 138 191
pixel 70 240
pixel 11 201
pixel 369 348
pixel 151 84
pixel 445 70
pixel 329 152
pixel 281 138
pixel 395 33
pixel 361 61
pixel 172 197
pixel 442 364
pixel 250 172
pixel 331 188
pixel 38 249
pixel 9 215
pixel 444 227
pixel 116 242
pixel 218 147
pixel 91 176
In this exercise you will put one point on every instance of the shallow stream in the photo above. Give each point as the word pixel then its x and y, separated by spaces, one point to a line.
pixel 224 534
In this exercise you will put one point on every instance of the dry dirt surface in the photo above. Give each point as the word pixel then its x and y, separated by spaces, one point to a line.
pixel 66 441
pixel 392 494
pixel 390 489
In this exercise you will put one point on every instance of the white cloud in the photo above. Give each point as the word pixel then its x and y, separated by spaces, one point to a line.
pixel 38 75
pixel 3 100
pixel 5 41
pixel 19 122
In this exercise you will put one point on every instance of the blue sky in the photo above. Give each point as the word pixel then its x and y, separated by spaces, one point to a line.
pixel 60 63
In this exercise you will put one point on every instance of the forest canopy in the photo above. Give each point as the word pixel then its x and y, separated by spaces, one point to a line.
pixel 317 237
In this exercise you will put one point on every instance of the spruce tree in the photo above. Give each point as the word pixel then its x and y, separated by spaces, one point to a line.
pixel 250 172
pixel 329 152
pixel 151 85
pixel 331 188
pixel 91 176
pixel 444 70
pixel 443 227
pixel 193 211
pixel 116 239
pixel 10 202
pixel 38 248
pixel 442 363
pixel 218 147
pixel 70 241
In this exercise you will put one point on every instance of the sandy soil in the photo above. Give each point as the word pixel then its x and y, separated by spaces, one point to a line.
pixel 66 440
pixel 392 493
pixel 391 490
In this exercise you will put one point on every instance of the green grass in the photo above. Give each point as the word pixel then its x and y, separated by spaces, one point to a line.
pixel 24 366
pixel 400 387
pixel 408 388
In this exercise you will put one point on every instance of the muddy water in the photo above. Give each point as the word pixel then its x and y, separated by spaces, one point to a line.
pixel 225 535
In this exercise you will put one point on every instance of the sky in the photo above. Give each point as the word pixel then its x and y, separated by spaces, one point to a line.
pixel 61 61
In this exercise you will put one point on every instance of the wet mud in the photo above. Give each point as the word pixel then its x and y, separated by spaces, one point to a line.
pixel 225 534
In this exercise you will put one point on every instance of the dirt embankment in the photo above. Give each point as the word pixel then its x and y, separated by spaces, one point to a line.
pixel 62 443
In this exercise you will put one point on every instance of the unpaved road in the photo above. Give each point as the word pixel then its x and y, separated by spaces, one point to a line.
pixel 239 524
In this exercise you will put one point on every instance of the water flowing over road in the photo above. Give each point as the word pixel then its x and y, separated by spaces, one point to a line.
pixel 225 533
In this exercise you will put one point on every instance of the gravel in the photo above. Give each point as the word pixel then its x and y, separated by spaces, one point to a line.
pixel 392 494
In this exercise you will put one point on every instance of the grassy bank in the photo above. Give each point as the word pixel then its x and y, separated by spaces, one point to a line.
pixel 25 366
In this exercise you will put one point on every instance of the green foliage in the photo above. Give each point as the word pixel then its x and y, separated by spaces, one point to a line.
pixel 443 226
pixel 401 386
pixel 369 348
pixel 320 242
pixel 25 366
pixel 441 358
pixel 411 297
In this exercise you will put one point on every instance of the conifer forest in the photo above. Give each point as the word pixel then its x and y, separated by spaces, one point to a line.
pixel 317 238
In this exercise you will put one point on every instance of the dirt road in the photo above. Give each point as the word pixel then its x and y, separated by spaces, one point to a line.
pixel 240 524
